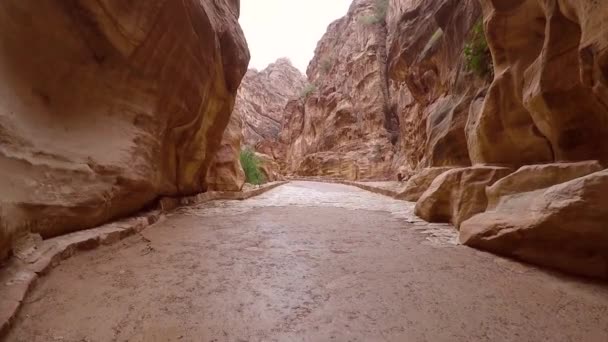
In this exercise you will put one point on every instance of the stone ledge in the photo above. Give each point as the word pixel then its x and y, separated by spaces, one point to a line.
pixel 361 185
pixel 19 274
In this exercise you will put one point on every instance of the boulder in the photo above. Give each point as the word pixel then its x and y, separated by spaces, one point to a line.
pixel 420 182
pixel 458 194
pixel 562 226
pixel 536 177
pixel 107 105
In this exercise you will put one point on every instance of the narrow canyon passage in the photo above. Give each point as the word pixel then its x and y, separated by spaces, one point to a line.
pixel 305 262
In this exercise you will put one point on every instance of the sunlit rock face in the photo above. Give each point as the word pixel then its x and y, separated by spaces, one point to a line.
pixel 340 126
pixel 106 105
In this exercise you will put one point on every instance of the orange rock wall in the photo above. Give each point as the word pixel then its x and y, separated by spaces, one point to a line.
pixel 106 105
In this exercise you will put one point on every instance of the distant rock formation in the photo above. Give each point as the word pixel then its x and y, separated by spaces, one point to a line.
pixel 262 97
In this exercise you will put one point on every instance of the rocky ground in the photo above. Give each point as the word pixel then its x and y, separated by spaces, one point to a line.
pixel 306 262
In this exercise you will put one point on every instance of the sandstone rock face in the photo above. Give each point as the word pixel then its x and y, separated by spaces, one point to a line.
pixel 262 98
pixel 562 226
pixel 458 194
pixel 548 101
pixel 106 105
pixel 420 182
pixel 269 167
pixel 340 126
pixel 226 172
pixel 431 90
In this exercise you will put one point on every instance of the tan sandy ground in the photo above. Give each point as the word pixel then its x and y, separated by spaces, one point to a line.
pixel 306 262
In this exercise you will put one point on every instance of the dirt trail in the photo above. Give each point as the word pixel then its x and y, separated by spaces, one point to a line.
pixel 306 262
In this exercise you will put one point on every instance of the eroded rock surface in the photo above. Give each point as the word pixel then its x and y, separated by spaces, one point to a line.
pixel 339 127
pixel 262 98
pixel 106 105
pixel 547 103
pixel 431 89
pixel 549 99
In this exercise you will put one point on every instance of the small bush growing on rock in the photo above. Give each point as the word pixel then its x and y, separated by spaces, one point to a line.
pixel 251 165
pixel 379 16
pixel 326 65
pixel 477 53
pixel 309 89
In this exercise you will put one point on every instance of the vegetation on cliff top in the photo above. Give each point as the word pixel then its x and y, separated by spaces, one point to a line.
pixel 308 90
pixel 477 53
pixel 251 165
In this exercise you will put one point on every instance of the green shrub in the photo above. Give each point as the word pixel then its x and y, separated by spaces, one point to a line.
pixel 309 89
pixel 326 65
pixel 379 16
pixel 380 9
pixel 477 53
pixel 251 165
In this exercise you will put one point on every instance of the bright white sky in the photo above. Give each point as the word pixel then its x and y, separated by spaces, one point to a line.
pixel 287 28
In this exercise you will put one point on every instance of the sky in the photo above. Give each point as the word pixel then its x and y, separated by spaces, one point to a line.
pixel 287 28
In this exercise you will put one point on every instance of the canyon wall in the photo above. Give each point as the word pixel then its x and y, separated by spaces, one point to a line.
pixel 431 86
pixel 107 105
pixel 388 92
pixel 548 103
pixel 498 110
pixel 338 127
pixel 536 136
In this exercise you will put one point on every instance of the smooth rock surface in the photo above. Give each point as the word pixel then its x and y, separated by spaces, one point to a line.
pixel 107 105
pixel 226 172
pixel 537 177
pixel 458 194
pixel 563 226
pixel 549 98
pixel 420 182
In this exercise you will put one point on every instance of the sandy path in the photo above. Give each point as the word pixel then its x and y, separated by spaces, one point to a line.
pixel 306 262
